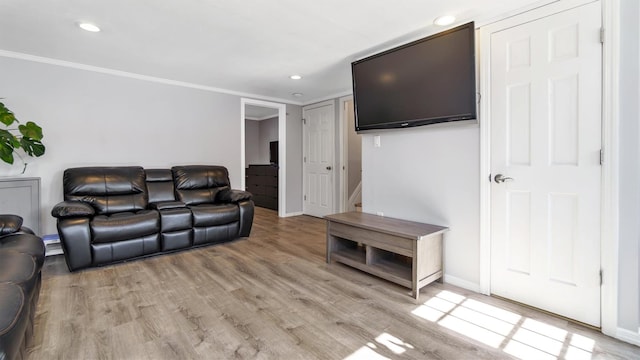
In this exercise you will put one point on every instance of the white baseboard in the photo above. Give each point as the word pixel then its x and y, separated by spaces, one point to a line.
pixel 629 336
pixel 461 283
pixel 293 214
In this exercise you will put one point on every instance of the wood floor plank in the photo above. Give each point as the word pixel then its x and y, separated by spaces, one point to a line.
pixel 272 296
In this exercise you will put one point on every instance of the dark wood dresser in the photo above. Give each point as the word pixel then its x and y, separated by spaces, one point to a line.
pixel 262 182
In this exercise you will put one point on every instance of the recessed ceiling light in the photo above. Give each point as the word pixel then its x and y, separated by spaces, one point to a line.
pixel 297 94
pixel 444 20
pixel 88 27
pixel 295 77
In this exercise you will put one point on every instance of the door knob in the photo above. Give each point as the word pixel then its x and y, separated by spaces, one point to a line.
pixel 328 167
pixel 499 178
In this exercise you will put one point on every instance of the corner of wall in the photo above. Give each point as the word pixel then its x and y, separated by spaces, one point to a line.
pixel 465 284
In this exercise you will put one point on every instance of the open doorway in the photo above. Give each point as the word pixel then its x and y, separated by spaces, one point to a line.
pixel 263 152
pixel 351 152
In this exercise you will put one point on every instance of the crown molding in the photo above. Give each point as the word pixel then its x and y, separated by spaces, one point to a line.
pixel 126 74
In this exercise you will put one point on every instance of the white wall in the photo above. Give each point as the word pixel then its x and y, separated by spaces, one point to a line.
pixel 95 119
pixel 268 133
pixel 430 174
pixel 252 142
pixel 629 177
pixel 294 159
pixel 258 135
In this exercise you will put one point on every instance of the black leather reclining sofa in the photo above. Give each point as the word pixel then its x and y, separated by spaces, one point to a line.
pixel 111 214
pixel 21 259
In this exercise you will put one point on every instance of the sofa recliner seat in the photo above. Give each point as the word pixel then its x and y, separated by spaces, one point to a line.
pixel 111 214
pixel 212 215
pixel 124 226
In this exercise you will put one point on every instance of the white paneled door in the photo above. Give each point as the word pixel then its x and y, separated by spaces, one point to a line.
pixel 545 163
pixel 318 158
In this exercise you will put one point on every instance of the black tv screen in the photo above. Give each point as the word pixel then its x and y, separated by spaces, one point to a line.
pixel 427 81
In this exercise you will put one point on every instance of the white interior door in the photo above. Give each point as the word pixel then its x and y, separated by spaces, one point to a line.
pixel 546 141
pixel 318 157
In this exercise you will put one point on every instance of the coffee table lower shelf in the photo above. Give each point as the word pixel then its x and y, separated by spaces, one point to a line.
pixel 387 270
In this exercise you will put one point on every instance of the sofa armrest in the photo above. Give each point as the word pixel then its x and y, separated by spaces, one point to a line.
pixel 232 196
pixel 9 224
pixel 75 237
pixel 163 205
pixel 246 217
pixel 72 209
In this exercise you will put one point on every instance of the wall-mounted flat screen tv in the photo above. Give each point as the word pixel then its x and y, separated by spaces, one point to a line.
pixel 428 81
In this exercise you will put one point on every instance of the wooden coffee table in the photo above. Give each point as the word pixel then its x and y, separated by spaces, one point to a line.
pixel 404 252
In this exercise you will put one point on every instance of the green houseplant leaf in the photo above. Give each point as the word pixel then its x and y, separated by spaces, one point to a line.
pixel 6 154
pixel 27 137
pixel 6 115
pixel 31 130
pixel 7 146
pixel 32 147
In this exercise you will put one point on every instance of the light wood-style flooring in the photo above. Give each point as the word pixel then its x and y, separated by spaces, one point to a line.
pixel 272 296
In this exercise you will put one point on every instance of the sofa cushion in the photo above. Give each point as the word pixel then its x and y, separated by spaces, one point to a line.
pixel 158 175
pixel 108 252
pixel 199 184
pixel 9 224
pixel 20 269
pixel 124 226
pixel 198 196
pixel 210 215
pixel 160 185
pixel 175 219
pixel 233 196
pixel 108 189
pixel 26 244
pixel 215 234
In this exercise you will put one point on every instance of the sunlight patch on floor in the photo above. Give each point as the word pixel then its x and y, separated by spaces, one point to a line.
pixel 392 343
pixel 365 353
pixel 388 341
pixel 518 336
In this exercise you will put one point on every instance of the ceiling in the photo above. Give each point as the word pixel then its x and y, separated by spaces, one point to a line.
pixel 245 47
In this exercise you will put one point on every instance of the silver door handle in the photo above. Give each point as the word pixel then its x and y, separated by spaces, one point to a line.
pixel 499 178
pixel 329 168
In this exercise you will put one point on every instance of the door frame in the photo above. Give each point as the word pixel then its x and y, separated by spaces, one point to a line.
pixel 282 148
pixel 304 149
pixel 610 123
